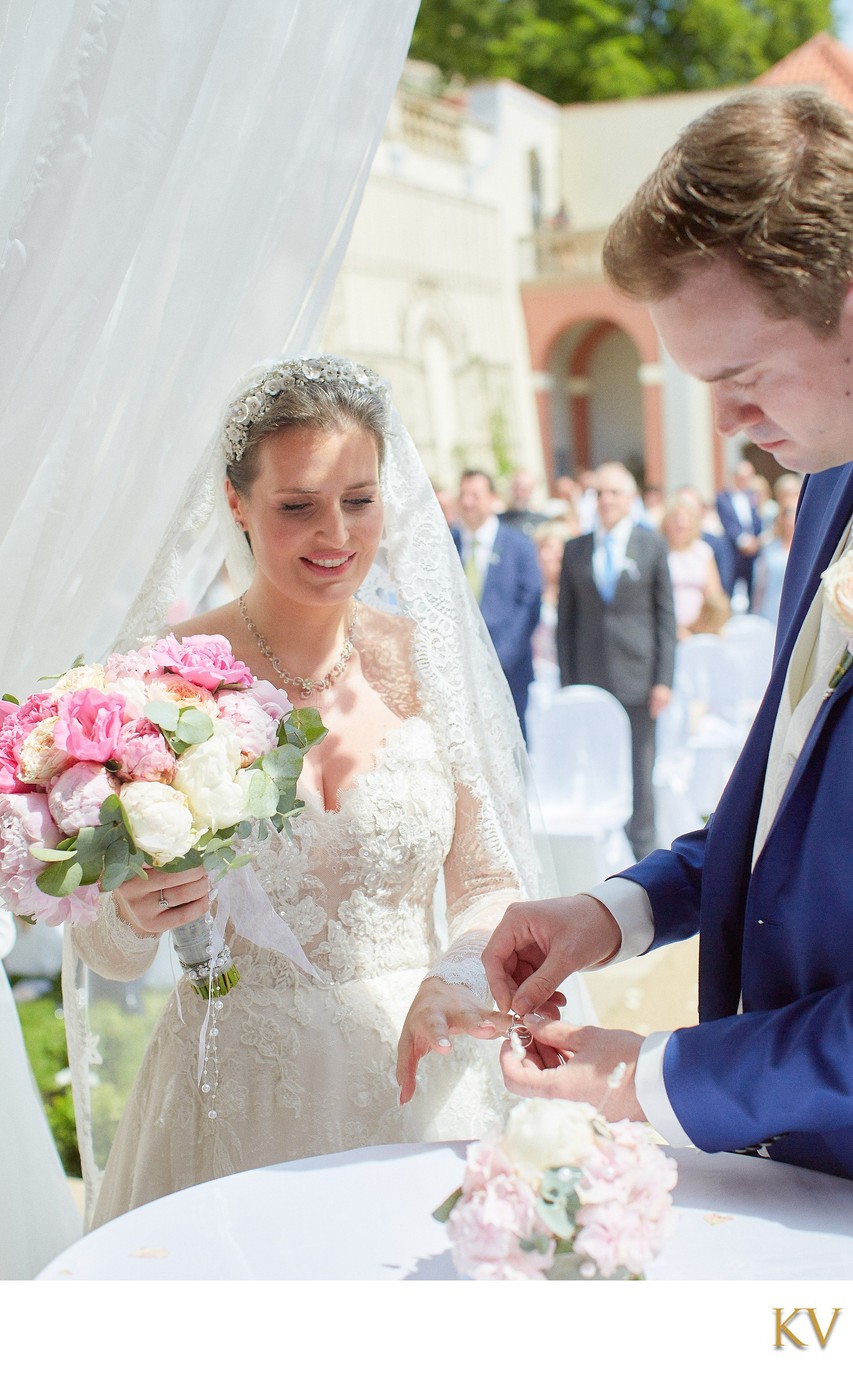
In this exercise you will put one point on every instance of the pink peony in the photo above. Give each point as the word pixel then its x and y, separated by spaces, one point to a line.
pixel 7 708
pixel 273 700
pixel 204 660
pixel 255 728
pixel 76 796
pixel 487 1228
pixel 483 1161
pixel 15 726
pixel 10 781
pixel 25 821
pixel 626 1211
pixel 89 724
pixel 143 752
pixel 135 665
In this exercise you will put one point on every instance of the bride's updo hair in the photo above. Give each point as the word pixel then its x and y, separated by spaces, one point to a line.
pixel 325 394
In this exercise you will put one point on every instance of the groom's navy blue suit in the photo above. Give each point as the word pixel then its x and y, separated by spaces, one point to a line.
pixel 782 936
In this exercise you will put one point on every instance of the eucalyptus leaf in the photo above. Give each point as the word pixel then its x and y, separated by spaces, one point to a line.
pixel 193 726
pixel 244 831
pixel 60 880
pixel 283 763
pixel 444 1211
pixel 47 854
pixel 10 698
pixel 163 713
pixel 263 795
pixel 116 865
pixel 309 724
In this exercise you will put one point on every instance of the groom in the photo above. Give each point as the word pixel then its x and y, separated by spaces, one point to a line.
pixel 741 244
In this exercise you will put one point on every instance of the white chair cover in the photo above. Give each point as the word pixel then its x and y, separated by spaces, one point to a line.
pixel 581 772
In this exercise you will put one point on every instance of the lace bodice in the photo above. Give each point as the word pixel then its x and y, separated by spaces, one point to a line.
pixel 356 885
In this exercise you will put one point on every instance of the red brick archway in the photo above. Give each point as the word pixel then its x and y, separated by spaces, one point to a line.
pixel 551 311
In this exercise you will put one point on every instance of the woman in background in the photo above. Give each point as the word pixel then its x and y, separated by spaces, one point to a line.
pixel 700 602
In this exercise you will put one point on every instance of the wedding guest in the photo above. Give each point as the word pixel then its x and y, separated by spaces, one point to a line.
pixel 325 508
pixel 502 571
pixel 700 603
pixel 773 561
pixel 521 510
pixel 550 541
pixel 741 245
pixel 737 508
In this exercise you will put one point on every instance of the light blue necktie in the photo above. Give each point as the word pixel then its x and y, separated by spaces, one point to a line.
pixel 610 576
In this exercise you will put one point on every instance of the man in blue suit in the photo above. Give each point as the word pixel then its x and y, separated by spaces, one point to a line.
pixel 503 571
pixel 737 508
pixel 741 243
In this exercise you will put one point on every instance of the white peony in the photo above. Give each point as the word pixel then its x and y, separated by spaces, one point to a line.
pixel 81 676
pixel 160 820
pixel 209 774
pixel 548 1133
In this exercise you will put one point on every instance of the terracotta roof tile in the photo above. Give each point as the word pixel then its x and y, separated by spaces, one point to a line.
pixel 822 62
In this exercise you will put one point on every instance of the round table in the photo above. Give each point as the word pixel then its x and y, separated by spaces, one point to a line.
pixel 367 1215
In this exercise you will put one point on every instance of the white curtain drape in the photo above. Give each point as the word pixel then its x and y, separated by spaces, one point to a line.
pixel 178 181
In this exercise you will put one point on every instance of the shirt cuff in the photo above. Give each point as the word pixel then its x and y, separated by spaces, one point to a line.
pixel 650 1089
pixel 629 904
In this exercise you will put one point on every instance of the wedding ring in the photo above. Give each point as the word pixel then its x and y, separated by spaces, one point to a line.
pixel 519 1031
pixel 162 902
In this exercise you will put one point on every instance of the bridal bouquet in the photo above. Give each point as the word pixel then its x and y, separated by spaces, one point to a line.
pixel 561 1193
pixel 170 757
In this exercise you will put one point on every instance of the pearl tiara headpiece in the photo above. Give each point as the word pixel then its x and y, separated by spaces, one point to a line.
pixel 256 401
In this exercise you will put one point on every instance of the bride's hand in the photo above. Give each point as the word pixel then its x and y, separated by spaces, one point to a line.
pixel 138 901
pixel 438 1012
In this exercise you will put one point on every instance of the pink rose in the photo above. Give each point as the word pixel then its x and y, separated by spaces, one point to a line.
pixel 89 724
pixel 255 728
pixel 25 821
pixel 76 796
pixel 486 1231
pixel 143 752
pixel 175 689
pixel 204 660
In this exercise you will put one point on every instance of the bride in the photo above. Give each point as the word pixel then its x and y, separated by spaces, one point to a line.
pixel 355 603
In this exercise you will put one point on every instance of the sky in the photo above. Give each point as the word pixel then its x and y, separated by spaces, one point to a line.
pixel 844 14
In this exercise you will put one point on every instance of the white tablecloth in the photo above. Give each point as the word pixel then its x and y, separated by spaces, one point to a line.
pixel 366 1215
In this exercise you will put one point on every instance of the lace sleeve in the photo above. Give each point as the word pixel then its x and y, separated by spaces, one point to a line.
pixel 478 891
pixel 111 948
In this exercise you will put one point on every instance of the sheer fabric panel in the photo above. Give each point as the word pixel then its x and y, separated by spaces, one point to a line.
pixel 177 190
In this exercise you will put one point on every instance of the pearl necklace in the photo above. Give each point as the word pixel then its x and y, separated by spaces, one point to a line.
pixel 308 686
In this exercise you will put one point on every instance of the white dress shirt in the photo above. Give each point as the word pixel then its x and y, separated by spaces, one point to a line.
pixel 817 650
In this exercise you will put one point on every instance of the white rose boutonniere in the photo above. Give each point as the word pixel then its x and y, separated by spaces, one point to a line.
pixel 838 594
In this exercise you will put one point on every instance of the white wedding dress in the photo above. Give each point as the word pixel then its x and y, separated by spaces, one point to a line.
pixel 303 1068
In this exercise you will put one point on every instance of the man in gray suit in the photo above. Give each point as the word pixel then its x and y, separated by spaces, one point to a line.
pixel 616 627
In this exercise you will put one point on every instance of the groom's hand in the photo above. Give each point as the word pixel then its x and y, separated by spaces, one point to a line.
pixel 589 1067
pixel 536 946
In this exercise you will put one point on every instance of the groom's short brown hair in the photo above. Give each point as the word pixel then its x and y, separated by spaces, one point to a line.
pixel 763 180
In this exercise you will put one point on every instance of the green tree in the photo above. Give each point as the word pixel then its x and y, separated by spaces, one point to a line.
pixel 575 50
